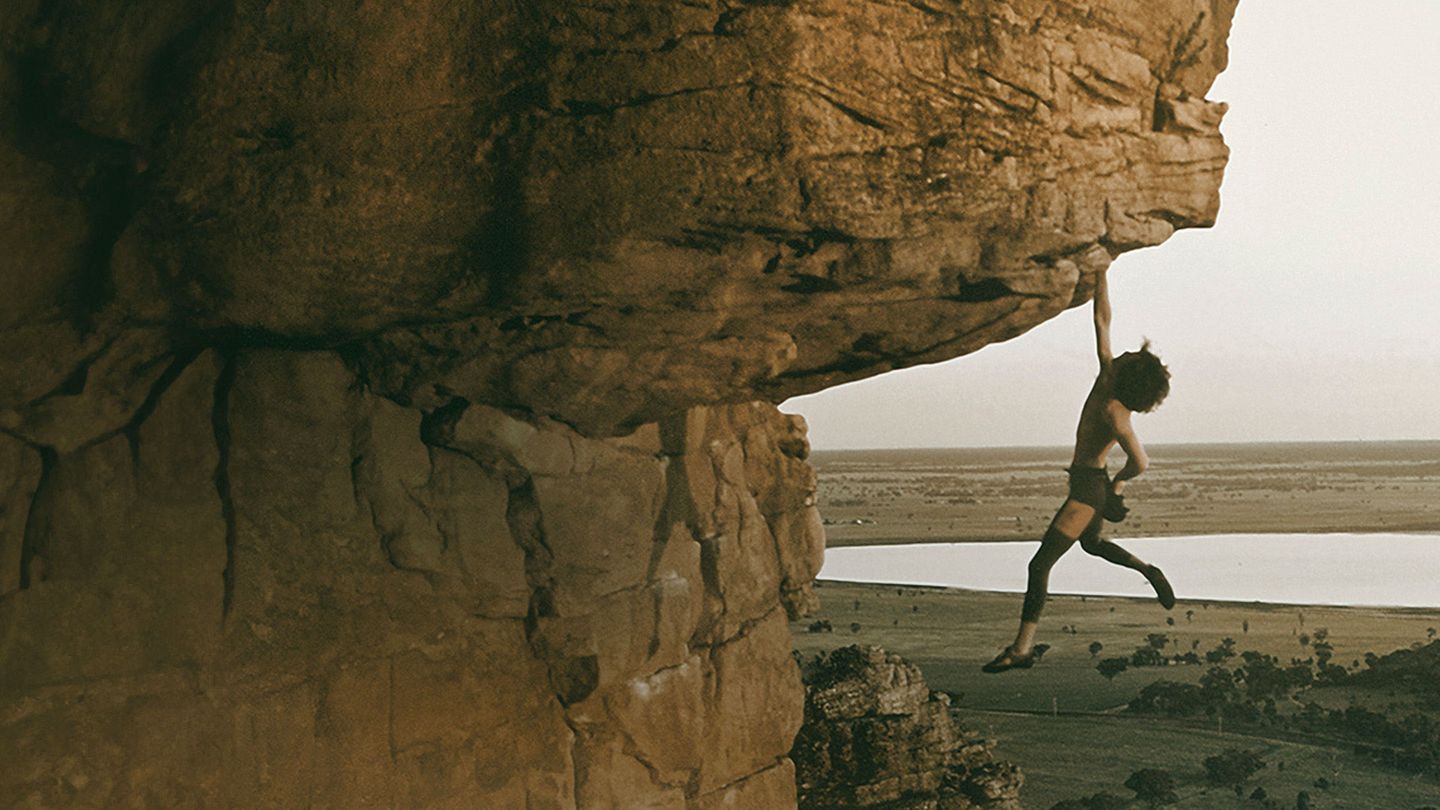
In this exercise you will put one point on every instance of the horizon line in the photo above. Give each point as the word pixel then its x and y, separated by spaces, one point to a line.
pixel 1211 443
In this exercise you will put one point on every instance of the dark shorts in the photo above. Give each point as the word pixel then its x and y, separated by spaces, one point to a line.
pixel 1089 485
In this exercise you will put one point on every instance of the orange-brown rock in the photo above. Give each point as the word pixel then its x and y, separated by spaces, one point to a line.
pixel 284 589
pixel 384 389
pixel 599 213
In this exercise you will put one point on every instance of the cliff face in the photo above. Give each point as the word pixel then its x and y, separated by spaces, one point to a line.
pixel 282 590
pixel 363 433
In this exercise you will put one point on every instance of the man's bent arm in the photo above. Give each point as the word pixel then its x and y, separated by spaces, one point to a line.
pixel 1135 458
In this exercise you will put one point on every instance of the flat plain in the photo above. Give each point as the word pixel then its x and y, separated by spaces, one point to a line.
pixel 1062 721
pixel 871 497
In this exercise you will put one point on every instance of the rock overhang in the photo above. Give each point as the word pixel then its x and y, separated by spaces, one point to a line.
pixel 598 214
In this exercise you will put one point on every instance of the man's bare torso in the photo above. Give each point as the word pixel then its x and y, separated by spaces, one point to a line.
pixel 1095 434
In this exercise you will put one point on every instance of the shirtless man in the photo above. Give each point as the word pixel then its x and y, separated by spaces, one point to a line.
pixel 1132 382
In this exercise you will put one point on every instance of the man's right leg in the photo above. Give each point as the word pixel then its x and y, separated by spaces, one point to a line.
pixel 1064 530
pixel 1037 584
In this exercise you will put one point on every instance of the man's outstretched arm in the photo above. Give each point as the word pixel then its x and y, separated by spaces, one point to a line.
pixel 1102 320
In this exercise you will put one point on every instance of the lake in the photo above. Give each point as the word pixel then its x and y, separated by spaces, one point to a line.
pixel 1401 570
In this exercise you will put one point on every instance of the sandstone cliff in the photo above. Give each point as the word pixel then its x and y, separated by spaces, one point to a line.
pixel 368 397
pixel 282 590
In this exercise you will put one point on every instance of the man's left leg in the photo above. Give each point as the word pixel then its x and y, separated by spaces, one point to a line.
pixel 1091 542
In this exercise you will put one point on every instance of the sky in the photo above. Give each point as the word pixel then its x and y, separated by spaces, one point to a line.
pixel 1310 312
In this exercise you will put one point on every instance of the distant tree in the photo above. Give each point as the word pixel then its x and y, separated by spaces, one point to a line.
pixel 1189 615
pixel 1153 786
pixel 1218 681
pixel 1430 632
pixel 1245 626
pixel 1170 620
pixel 1265 678
pixel 854 627
pixel 1095 648
pixel 1110 667
pixel 1302 801
pixel 1157 640
pixel 1146 657
pixel 1332 675
pixel 1173 699
pixel 1222 652
pixel 1233 767
pixel 1304 639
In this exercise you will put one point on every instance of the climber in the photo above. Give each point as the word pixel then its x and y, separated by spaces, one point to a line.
pixel 1133 382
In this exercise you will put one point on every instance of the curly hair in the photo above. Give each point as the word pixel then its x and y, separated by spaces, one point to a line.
pixel 1141 380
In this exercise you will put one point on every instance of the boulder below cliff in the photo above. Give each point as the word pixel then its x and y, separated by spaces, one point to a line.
pixel 875 736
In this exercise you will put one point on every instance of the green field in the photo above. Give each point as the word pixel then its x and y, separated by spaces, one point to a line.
pixel 1069 757
pixel 1060 720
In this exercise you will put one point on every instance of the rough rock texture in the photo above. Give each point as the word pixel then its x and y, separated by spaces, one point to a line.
pixel 876 736
pixel 282 590
pixel 598 212
pixel 367 396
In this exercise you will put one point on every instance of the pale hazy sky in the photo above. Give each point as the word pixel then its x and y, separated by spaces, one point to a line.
pixel 1311 311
